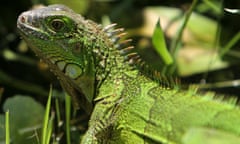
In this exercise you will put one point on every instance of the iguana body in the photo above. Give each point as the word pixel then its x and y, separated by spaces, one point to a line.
pixel 126 106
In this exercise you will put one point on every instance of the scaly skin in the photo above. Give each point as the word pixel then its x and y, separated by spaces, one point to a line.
pixel 126 106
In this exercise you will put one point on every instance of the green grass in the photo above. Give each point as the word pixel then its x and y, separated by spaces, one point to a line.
pixel 68 115
pixel 7 127
pixel 48 122
pixel 48 135
pixel 47 130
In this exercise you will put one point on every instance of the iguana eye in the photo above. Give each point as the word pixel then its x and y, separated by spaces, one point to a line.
pixel 57 24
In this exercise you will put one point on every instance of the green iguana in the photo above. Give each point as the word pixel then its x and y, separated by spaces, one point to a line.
pixel 97 68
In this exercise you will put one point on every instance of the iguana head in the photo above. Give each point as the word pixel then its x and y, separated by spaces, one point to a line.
pixel 80 52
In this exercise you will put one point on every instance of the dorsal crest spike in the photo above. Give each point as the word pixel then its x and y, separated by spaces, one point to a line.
pixel 108 27
pixel 133 59
pixel 114 32
pixel 123 44
pixel 136 61
pixel 115 38
pixel 119 30
pixel 121 34
pixel 126 50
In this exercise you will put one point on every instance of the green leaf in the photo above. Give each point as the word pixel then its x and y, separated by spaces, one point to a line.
pixel 47 123
pixel 25 118
pixel 159 44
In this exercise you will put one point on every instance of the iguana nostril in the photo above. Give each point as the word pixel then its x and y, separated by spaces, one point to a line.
pixel 23 19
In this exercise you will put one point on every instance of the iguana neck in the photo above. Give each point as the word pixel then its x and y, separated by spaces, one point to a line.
pixel 109 57
pixel 112 86
pixel 109 77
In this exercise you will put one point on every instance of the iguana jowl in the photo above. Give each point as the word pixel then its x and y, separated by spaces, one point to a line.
pixel 126 106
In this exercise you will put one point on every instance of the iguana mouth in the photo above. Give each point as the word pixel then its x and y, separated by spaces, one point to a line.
pixel 28 27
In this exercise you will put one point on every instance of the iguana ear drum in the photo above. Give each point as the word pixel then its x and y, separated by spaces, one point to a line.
pixel 71 70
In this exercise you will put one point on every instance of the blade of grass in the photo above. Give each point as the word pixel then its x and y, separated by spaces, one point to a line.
pixel 212 5
pixel 230 44
pixel 7 127
pixel 45 130
pixel 68 115
pixel 58 112
pixel 176 40
pixel 49 130
pixel 175 44
pixel 224 84
pixel 159 44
